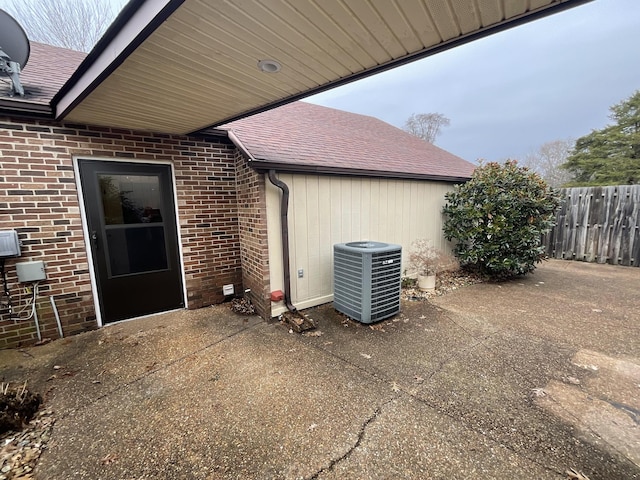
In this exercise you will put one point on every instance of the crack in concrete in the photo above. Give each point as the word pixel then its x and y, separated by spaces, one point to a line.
pixel 361 434
pixel 155 370
pixel 428 404
pixel 455 354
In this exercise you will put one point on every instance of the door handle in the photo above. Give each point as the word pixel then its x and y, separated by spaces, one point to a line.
pixel 94 239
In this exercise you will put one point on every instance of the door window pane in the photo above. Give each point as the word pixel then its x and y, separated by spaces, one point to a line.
pixel 130 199
pixel 136 250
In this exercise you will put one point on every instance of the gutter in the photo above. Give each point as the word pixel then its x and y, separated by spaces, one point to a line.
pixel 265 166
pixel 25 109
pixel 284 219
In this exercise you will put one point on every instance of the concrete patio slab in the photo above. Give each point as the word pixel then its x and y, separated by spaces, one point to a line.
pixel 472 384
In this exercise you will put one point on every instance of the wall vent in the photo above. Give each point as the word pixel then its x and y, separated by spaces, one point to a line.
pixel 367 280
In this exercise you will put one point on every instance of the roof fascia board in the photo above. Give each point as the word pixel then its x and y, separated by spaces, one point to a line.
pixel 263 166
pixel 499 27
pixel 137 21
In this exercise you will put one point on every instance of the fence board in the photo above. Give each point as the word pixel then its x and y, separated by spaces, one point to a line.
pixel 625 237
pixel 634 227
pixel 597 224
pixel 582 225
pixel 596 214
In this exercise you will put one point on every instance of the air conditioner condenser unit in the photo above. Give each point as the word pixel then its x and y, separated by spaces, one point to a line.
pixel 367 279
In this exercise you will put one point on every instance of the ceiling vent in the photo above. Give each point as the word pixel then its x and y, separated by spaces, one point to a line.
pixel 367 280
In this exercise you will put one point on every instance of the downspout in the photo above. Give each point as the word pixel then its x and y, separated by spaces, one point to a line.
pixel 284 225
pixel 284 220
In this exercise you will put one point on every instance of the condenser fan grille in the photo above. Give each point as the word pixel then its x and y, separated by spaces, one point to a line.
pixel 367 280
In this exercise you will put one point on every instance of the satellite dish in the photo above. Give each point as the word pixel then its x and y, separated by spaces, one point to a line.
pixel 14 50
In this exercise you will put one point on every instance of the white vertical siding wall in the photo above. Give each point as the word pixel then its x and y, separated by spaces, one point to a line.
pixel 324 210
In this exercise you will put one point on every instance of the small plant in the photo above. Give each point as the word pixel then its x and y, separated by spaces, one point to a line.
pixel 408 282
pixel 498 217
pixel 17 406
pixel 425 259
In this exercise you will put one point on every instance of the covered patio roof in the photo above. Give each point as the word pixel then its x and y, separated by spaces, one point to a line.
pixel 178 66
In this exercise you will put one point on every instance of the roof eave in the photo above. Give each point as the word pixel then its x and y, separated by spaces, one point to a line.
pixel 263 166
pixel 113 48
pixel 447 45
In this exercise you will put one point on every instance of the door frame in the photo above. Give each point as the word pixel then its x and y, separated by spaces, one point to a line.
pixel 86 235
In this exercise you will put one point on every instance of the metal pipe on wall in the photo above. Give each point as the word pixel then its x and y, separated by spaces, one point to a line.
pixel 284 226
pixel 55 312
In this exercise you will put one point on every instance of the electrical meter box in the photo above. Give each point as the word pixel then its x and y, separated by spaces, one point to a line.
pixel 31 271
pixel 9 244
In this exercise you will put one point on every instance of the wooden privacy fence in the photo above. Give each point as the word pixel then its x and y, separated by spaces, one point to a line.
pixel 597 224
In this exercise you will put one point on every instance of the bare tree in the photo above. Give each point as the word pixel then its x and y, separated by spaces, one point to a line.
pixel 426 126
pixel 73 24
pixel 546 161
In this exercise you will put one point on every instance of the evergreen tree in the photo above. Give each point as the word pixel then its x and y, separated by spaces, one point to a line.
pixel 610 156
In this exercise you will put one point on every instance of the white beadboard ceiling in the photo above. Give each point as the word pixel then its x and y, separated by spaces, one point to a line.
pixel 198 68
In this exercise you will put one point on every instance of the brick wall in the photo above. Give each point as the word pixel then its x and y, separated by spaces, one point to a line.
pixel 252 219
pixel 38 198
pixel 208 211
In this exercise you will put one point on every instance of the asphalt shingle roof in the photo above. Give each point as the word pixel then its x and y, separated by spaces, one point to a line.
pixel 304 134
pixel 47 69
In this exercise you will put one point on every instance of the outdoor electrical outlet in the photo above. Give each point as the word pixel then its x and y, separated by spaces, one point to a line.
pixel 300 273
pixel 228 289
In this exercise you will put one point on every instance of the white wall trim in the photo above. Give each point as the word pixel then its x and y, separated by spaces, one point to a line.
pixel 278 309
pixel 87 239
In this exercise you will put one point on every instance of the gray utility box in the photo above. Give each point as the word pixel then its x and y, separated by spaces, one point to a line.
pixel 9 244
pixel 367 280
pixel 31 271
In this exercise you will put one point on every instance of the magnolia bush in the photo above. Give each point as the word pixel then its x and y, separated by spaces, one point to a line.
pixel 498 217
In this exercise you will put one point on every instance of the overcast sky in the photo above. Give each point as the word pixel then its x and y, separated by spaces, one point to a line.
pixel 509 93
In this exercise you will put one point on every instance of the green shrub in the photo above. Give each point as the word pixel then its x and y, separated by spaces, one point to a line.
pixel 498 217
pixel 408 282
